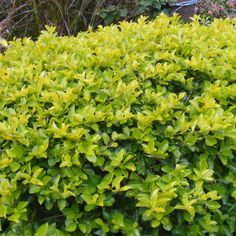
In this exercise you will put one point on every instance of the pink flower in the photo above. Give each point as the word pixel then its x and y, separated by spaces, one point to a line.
pixel 210 12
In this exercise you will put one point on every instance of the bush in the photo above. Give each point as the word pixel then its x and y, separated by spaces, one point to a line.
pixel 127 130
pixel 210 9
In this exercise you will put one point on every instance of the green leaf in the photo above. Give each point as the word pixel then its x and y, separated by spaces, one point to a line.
pixel 118 157
pixel 163 147
pixel 106 138
pixel 83 228
pixel 92 158
pixel 5 163
pixel 17 151
pixel 3 211
pixel 224 159
pixel 210 141
pixel 14 166
pixel 203 165
pixel 130 166
pixel 34 189
pixel 70 225
pixel 61 204
pixel 234 194
pixel 212 205
pixel 107 179
pixel 116 182
pixel 42 230
pixel 100 222
pixel 155 223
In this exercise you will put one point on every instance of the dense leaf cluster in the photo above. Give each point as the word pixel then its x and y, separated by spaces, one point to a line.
pixel 129 130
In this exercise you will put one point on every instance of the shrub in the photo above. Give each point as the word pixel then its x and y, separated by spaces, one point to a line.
pixel 127 130
pixel 211 9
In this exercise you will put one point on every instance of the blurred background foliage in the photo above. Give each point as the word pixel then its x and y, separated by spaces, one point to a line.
pixel 210 9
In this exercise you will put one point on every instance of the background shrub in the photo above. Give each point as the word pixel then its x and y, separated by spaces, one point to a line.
pixel 128 130
pixel 210 9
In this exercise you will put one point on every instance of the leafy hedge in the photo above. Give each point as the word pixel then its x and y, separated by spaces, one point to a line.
pixel 127 130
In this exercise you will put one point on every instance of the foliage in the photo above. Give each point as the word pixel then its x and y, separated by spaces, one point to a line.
pixel 210 9
pixel 129 130
pixel 28 17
